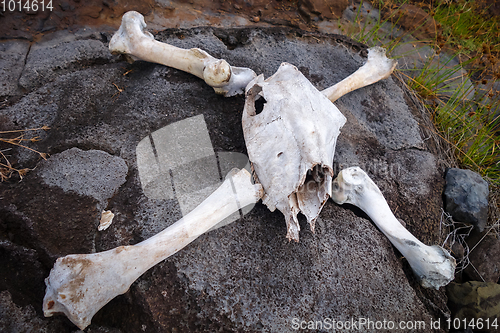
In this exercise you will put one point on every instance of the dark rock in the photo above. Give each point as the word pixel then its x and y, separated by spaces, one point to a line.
pixel 484 264
pixel 14 318
pixel 66 6
pixel 243 277
pixel 458 251
pixel 325 9
pixel 22 273
pixel 414 20
pixel 91 11
pixel 474 300
pixel 46 61
pixel 74 170
pixel 12 58
pixel 466 197
pixel 57 208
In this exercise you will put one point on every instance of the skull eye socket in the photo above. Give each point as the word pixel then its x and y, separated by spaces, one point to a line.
pixel 259 104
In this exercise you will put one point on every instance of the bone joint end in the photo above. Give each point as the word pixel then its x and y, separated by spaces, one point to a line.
pixel 433 265
pixel 135 43
pixel 79 285
pixel 377 67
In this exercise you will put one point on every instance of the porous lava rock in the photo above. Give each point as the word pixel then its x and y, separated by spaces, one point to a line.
pixel 246 276
pixel 466 197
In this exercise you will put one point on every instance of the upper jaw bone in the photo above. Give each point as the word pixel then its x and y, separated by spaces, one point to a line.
pixel 433 265
pixel 291 143
pixel 132 40
pixel 378 67
pixel 81 284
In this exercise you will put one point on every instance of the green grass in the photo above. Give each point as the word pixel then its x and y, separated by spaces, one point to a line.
pixel 465 27
pixel 466 123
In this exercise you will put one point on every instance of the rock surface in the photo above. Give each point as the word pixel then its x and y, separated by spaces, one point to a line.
pixel 474 300
pixel 484 264
pixel 414 20
pixel 323 9
pixel 50 58
pixel 91 173
pixel 466 197
pixel 243 277
pixel 12 58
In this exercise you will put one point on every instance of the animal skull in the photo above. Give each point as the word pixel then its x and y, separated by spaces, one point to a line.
pixel 291 143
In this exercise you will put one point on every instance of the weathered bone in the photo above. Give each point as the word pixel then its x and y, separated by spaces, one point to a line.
pixel 81 284
pixel 291 143
pixel 376 68
pixel 433 265
pixel 132 40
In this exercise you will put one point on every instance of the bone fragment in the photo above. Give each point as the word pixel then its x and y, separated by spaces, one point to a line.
pixel 378 67
pixel 433 265
pixel 290 131
pixel 81 284
pixel 106 220
pixel 132 40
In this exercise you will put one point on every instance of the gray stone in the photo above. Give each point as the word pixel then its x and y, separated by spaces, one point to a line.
pixel 453 80
pixel 25 319
pixel 12 58
pixel 92 173
pixel 57 207
pixel 373 108
pixel 441 73
pixel 361 12
pixel 416 169
pixel 484 264
pixel 47 60
pixel 488 93
pixel 466 197
pixel 14 318
pixel 413 56
pixel 245 276
pixel 474 300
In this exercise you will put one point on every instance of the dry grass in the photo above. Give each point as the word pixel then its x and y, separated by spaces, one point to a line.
pixel 17 138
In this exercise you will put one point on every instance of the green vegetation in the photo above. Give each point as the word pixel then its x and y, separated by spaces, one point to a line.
pixel 468 119
pixel 466 27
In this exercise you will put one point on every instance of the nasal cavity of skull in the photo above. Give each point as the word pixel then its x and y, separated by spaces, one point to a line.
pixel 259 104
pixel 316 174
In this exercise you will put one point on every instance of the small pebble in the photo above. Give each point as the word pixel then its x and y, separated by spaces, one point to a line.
pixel 256 19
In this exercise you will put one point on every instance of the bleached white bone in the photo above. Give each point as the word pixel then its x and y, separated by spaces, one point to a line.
pixel 433 265
pixel 376 68
pixel 132 40
pixel 81 284
pixel 290 131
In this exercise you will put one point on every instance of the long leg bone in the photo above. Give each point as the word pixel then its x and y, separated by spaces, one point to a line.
pixel 132 40
pixel 378 67
pixel 433 265
pixel 81 284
